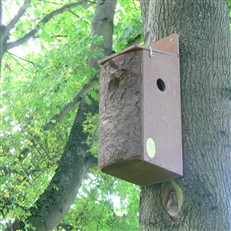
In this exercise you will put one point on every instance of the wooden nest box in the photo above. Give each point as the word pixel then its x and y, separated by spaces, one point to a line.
pixel 140 113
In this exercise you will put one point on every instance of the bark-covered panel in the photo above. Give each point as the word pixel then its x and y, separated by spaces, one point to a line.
pixel 120 133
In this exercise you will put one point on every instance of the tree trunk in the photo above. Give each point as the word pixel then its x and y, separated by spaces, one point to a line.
pixel 200 200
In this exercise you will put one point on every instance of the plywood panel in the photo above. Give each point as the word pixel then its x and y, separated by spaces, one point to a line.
pixel 169 44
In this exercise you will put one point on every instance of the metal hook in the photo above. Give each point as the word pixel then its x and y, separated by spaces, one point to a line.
pixel 152 52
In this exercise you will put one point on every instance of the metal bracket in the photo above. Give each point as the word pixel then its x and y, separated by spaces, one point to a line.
pixel 151 52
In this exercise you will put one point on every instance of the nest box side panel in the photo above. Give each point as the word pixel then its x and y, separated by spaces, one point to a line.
pixel 162 112
pixel 120 133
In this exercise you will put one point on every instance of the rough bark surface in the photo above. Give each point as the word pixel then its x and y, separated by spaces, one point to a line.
pixel 120 132
pixel 201 199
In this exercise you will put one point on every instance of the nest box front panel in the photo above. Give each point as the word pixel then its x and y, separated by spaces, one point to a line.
pixel 161 111
pixel 120 132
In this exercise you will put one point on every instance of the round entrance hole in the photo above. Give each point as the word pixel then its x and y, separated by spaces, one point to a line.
pixel 160 84
pixel 114 84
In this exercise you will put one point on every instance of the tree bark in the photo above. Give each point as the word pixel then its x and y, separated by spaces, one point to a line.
pixel 200 200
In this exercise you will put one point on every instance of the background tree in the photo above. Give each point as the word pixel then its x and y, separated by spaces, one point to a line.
pixel 201 199
pixel 40 96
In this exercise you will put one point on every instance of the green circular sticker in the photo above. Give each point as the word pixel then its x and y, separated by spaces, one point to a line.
pixel 151 147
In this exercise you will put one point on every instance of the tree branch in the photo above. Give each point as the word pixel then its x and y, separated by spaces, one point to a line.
pixel 69 106
pixel 77 16
pixel 19 14
pixel 21 58
pixel 45 20
pixel 22 40
pixel 64 111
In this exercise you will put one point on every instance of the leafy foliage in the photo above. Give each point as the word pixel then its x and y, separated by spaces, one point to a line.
pixel 38 79
pixel 105 205
pixel 128 24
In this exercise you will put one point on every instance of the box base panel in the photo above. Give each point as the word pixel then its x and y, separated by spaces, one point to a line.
pixel 139 172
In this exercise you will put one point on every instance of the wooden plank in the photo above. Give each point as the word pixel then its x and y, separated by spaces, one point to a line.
pixel 169 44
pixel 125 50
